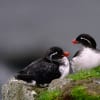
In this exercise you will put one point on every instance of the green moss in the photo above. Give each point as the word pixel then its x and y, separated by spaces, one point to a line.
pixel 83 74
pixel 79 93
pixel 49 95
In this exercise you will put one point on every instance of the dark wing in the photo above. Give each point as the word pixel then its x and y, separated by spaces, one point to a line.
pixel 27 74
pixel 70 69
pixel 41 71
pixel 45 72
pixel 77 53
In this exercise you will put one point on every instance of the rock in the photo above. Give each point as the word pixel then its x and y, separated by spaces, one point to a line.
pixel 58 84
pixel 17 90
pixel 85 89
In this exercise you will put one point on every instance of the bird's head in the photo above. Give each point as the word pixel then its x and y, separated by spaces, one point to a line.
pixel 86 40
pixel 55 53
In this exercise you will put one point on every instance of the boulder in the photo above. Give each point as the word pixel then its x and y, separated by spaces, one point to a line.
pixel 17 90
pixel 58 84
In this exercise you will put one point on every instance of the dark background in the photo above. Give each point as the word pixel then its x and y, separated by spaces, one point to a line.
pixel 29 27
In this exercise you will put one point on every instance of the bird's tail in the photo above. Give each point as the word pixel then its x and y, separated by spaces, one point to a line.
pixel 24 77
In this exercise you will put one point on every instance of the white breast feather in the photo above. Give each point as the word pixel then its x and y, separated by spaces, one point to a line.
pixel 64 69
pixel 86 60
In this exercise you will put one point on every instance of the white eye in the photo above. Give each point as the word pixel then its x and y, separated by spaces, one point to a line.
pixel 82 38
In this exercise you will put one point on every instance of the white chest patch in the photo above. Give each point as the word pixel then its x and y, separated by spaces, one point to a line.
pixel 86 60
pixel 64 69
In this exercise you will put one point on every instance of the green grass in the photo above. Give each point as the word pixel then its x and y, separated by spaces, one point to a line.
pixel 49 95
pixel 79 93
pixel 84 74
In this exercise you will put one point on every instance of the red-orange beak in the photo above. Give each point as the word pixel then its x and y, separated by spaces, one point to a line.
pixel 66 54
pixel 74 41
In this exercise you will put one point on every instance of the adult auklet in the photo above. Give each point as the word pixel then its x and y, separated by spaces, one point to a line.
pixel 54 64
pixel 88 56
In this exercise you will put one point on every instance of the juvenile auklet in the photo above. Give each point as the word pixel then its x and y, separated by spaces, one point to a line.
pixel 88 56
pixel 54 64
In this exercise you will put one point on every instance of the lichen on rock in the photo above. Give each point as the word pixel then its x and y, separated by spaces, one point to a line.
pixel 58 84
pixel 17 90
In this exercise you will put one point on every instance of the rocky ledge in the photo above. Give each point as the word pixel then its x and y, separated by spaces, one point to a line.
pixel 81 86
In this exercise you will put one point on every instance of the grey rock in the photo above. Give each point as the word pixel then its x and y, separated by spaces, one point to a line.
pixel 58 84
pixel 96 81
pixel 17 90
pixel 20 90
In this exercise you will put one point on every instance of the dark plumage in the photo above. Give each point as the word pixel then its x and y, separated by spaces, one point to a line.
pixel 44 70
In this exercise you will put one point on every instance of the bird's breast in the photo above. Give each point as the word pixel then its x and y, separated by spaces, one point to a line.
pixel 64 68
pixel 86 60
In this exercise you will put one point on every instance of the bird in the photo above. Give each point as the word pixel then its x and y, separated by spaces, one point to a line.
pixel 88 56
pixel 54 64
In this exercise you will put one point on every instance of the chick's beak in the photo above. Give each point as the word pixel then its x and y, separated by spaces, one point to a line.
pixel 66 54
pixel 74 41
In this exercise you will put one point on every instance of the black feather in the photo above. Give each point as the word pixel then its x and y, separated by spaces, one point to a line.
pixel 77 53
pixel 42 71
